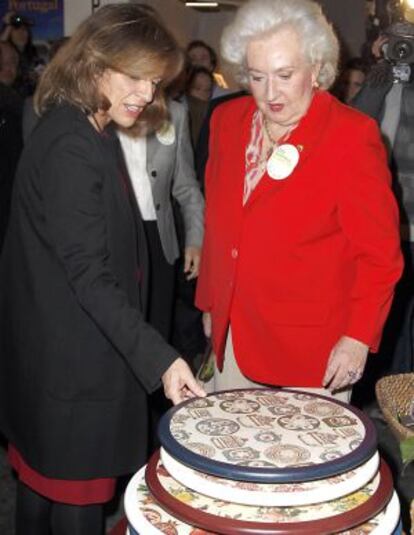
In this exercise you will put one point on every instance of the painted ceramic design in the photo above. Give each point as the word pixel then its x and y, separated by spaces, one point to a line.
pixel 268 494
pixel 230 519
pixel 385 523
pixel 146 517
pixel 268 435
pixel 262 514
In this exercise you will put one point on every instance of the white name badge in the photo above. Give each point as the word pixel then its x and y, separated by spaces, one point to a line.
pixel 166 135
pixel 282 162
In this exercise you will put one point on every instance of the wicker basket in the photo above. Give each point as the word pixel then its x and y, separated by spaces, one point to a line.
pixel 395 396
pixel 412 517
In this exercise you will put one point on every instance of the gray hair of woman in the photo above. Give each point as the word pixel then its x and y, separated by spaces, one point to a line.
pixel 261 18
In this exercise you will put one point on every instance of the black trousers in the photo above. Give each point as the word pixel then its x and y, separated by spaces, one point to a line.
pixel 36 515
pixel 160 310
pixel 161 282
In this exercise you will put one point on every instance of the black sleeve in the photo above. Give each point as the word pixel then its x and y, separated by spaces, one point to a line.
pixel 72 187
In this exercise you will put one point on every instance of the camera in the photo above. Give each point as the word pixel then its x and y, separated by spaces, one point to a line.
pixel 399 50
pixel 400 45
pixel 17 21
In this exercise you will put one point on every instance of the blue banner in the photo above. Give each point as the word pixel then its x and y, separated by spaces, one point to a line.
pixel 46 15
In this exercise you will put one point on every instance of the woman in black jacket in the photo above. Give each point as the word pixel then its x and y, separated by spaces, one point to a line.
pixel 76 355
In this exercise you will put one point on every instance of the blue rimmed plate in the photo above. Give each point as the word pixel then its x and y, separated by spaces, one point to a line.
pixel 268 435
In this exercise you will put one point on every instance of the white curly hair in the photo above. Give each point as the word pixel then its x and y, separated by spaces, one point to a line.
pixel 259 18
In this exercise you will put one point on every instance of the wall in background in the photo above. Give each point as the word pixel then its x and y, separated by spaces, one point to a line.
pixel 348 18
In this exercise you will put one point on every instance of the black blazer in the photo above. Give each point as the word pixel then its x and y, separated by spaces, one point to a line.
pixel 75 351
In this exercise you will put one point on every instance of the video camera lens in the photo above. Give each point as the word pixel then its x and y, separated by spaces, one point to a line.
pixel 402 50
pixel 17 21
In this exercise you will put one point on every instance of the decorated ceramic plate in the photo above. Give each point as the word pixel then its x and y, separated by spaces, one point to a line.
pixel 272 494
pixel 268 435
pixel 385 523
pixel 325 518
pixel 146 517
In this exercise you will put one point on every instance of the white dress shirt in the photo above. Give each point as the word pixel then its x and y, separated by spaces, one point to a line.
pixel 135 153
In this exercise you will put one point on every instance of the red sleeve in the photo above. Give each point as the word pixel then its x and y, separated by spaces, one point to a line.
pixel 369 217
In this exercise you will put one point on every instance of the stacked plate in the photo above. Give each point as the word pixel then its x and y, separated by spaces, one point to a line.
pixel 264 461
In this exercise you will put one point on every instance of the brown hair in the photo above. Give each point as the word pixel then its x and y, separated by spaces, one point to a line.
pixel 121 37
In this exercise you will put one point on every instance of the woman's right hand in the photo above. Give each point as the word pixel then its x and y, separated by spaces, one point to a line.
pixel 207 324
pixel 180 383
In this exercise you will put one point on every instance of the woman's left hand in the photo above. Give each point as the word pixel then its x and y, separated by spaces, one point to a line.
pixel 192 262
pixel 346 363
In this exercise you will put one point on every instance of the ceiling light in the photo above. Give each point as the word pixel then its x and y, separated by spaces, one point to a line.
pixel 201 4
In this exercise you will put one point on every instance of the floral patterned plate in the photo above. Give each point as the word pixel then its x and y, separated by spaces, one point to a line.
pixel 272 494
pixel 268 435
pixel 146 517
pixel 229 519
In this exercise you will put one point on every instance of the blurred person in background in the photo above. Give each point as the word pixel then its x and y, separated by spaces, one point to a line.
pixel 17 30
pixel 200 83
pixel 351 79
pixel 198 91
pixel 200 54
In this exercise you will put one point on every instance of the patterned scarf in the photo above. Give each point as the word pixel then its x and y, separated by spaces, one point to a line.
pixel 255 166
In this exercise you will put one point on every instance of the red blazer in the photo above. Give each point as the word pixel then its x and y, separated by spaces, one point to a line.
pixel 309 258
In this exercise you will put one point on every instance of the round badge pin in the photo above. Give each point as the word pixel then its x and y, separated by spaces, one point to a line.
pixel 228 518
pixel 268 435
pixel 166 134
pixel 282 161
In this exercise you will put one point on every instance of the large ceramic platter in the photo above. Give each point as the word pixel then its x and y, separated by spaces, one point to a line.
pixel 385 523
pixel 272 494
pixel 268 435
pixel 233 519
pixel 146 517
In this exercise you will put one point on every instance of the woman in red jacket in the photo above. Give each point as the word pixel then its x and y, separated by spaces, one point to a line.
pixel 301 251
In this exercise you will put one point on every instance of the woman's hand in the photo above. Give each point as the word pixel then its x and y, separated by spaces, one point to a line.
pixel 207 324
pixel 192 257
pixel 346 363
pixel 179 382
pixel 377 46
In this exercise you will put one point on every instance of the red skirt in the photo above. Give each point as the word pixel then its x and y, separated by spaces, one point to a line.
pixel 84 492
